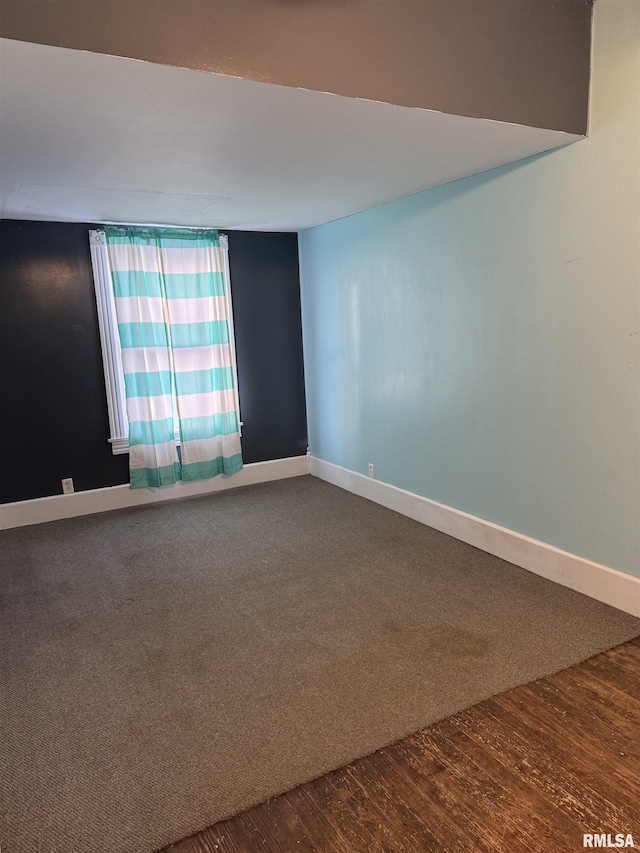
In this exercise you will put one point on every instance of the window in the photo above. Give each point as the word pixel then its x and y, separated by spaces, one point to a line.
pixel 112 355
pixel 110 341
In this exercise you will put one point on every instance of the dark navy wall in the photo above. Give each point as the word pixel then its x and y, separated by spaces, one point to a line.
pixel 266 308
pixel 52 397
pixel 53 414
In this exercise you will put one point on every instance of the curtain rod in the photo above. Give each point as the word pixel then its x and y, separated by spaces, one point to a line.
pixel 157 225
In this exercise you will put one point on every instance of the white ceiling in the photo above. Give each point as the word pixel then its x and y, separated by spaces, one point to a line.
pixel 92 138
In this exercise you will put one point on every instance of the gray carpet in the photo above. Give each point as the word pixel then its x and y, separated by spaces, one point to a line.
pixel 165 667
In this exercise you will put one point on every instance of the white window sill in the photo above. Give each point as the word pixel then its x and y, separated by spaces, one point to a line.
pixel 121 445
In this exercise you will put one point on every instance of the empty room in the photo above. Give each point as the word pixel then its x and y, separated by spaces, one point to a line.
pixel 320 390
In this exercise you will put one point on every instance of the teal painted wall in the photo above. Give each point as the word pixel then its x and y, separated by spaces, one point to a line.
pixel 479 342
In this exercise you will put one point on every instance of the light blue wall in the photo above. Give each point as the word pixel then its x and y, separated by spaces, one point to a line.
pixel 479 342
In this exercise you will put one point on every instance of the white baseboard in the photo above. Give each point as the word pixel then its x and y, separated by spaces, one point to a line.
pixel 56 507
pixel 593 579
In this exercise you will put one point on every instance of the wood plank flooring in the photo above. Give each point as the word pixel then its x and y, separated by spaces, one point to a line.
pixel 528 771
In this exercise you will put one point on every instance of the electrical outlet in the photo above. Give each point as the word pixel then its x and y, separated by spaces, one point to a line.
pixel 372 470
pixel 67 486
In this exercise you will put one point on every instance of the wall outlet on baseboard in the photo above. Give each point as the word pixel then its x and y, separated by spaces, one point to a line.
pixel 67 486
pixel 371 470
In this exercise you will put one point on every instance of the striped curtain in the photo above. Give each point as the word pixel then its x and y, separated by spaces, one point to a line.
pixel 171 308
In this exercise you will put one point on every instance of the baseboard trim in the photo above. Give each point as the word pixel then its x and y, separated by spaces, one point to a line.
pixel 593 579
pixel 53 508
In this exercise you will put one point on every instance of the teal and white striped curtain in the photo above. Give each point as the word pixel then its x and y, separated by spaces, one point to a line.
pixel 171 306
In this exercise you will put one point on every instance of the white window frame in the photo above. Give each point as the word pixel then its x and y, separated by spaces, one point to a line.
pixel 110 340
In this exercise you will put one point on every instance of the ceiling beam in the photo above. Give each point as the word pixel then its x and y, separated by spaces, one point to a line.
pixel 519 61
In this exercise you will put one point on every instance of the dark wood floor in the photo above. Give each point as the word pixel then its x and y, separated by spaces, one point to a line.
pixel 529 770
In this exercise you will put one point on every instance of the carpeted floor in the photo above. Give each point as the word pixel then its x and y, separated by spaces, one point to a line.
pixel 165 667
